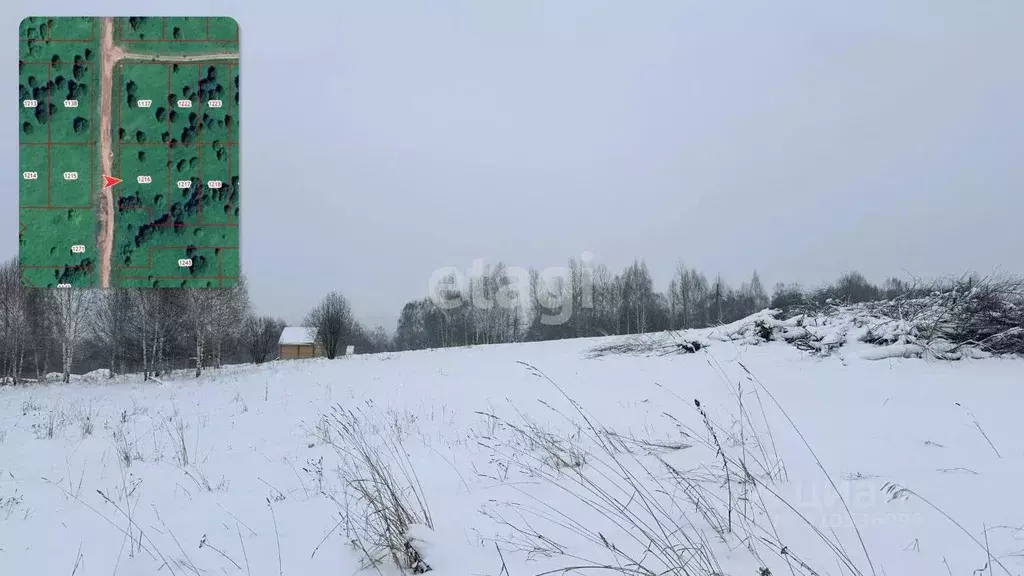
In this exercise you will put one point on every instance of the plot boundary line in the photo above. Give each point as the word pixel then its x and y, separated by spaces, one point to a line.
pixel 119 36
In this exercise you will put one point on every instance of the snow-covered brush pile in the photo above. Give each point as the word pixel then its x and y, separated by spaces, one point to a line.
pixel 962 320
pixel 986 316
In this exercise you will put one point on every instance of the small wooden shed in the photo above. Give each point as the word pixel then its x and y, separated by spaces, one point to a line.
pixel 298 342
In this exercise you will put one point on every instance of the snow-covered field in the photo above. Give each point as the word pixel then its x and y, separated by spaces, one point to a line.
pixel 256 470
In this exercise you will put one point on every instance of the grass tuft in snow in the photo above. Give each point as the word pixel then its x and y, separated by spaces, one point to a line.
pixel 387 495
pixel 53 423
pixel 652 511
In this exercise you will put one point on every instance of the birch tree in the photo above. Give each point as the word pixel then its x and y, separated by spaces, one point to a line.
pixel 144 303
pixel 228 310
pixel 70 309
pixel 13 321
pixel 199 308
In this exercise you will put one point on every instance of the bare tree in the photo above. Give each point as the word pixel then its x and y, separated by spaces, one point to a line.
pixel 70 309
pixel 13 321
pixel 332 320
pixel 39 310
pixel 145 304
pixel 111 322
pixel 229 309
pixel 199 313
pixel 259 335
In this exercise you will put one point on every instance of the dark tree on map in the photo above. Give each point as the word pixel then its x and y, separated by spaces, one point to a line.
pixel 60 82
pixel 176 33
pixel 129 202
pixel 78 273
pixel 136 21
pixel 161 114
pixel 142 155
pixel 27 127
pixel 42 114
pixel 55 61
pixel 80 124
pixel 140 137
pixel 130 89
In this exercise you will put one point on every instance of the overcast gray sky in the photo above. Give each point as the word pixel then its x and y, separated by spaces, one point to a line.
pixel 798 138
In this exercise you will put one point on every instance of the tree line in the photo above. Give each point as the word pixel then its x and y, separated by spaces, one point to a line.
pixel 151 331
pixel 591 301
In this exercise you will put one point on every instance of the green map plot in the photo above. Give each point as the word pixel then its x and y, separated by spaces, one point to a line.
pixel 128 156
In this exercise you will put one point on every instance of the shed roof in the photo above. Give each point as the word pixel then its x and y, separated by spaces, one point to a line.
pixel 297 335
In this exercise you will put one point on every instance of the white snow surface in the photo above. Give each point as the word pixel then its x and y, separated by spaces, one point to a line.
pixel 253 438
pixel 297 335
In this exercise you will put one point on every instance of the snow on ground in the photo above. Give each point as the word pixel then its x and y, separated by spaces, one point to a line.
pixel 245 471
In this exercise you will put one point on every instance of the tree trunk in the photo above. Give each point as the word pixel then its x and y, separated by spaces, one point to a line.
pixel 21 361
pixel 158 353
pixel 113 359
pixel 145 358
pixel 65 355
pixel 199 353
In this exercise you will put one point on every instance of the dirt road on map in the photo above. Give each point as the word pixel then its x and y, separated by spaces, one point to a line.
pixel 110 55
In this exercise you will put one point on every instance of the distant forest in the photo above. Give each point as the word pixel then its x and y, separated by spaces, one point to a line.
pixel 151 331
pixel 591 301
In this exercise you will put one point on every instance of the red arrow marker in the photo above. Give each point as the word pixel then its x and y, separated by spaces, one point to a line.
pixel 109 181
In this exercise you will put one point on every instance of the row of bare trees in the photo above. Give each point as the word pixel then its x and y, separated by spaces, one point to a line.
pixel 584 301
pixel 126 330
pixel 577 301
